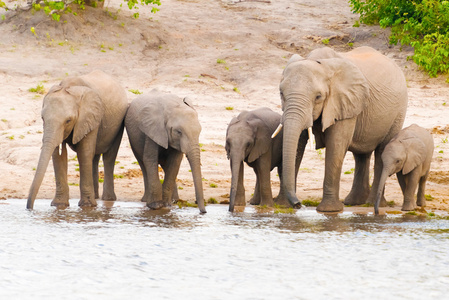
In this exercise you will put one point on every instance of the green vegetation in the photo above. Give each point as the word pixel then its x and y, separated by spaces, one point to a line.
pixel 350 171
pixel 311 202
pixel 325 41
pixel 284 211
pixel 55 9
pixel 73 184
pixel 39 89
pixel 229 108
pixel 221 61
pixel 182 204
pixel 421 24
pixel 137 92
pixel 429 197
pixel 413 213
pixel 367 205
pixel 213 185
pixel 212 200
pixel 390 203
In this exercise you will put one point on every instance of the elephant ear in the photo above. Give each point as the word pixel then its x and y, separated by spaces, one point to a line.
pixel 187 101
pixel 262 139
pixel 152 123
pixel 90 111
pixel 294 58
pixel 416 153
pixel 348 92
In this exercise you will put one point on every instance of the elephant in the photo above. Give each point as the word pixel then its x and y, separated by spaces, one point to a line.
pixel 353 101
pixel 162 127
pixel 409 155
pixel 85 112
pixel 248 139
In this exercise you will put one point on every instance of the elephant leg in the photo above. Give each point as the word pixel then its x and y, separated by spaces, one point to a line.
pixel 95 163
pixel 421 198
pixel 171 169
pixel 263 175
pixel 151 163
pixel 61 198
pixel 109 158
pixel 281 199
pixel 255 199
pixel 378 166
pixel 240 194
pixel 337 140
pixel 401 180
pixel 175 196
pixel 86 152
pixel 146 194
pixel 360 185
pixel 412 180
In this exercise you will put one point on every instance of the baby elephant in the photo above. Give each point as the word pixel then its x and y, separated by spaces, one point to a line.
pixel 162 127
pixel 410 151
pixel 248 138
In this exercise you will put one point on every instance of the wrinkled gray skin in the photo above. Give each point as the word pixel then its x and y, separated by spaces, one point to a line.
pixel 86 113
pixel 248 139
pixel 162 127
pixel 409 155
pixel 353 101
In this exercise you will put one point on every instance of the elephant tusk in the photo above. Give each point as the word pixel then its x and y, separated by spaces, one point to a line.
pixel 60 149
pixel 309 130
pixel 275 133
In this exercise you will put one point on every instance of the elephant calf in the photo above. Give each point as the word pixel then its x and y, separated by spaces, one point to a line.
pixel 162 127
pixel 410 151
pixel 248 139
pixel 86 113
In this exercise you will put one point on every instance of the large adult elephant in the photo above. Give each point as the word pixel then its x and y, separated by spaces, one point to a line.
pixel 353 101
pixel 87 113
pixel 162 127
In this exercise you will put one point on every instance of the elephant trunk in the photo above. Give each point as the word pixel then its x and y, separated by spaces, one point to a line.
pixel 193 157
pixel 293 126
pixel 380 189
pixel 235 170
pixel 49 144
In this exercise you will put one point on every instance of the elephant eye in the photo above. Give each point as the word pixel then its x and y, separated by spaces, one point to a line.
pixel 68 121
pixel 318 97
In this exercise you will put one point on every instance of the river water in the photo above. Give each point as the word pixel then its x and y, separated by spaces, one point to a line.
pixel 125 251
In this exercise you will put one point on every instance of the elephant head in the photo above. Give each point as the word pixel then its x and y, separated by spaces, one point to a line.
pixel 401 153
pixel 70 111
pixel 247 138
pixel 326 90
pixel 175 124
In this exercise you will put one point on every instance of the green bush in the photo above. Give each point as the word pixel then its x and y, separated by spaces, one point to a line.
pixel 422 24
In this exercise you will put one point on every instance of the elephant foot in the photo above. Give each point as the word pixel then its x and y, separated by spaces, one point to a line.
pixel 282 200
pixel 254 201
pixel 267 202
pixel 87 202
pixel 61 199
pixel 356 198
pixel 330 206
pixel 240 201
pixel 421 202
pixel 293 200
pixel 372 201
pixel 408 206
pixel 108 196
pixel 59 203
pixel 158 204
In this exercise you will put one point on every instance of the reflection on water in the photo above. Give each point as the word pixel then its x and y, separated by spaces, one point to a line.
pixel 122 250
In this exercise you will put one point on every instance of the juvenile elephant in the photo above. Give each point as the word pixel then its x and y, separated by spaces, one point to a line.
pixel 353 101
pixel 162 127
pixel 248 139
pixel 410 151
pixel 85 112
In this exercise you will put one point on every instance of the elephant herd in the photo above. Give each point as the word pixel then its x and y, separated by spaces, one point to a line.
pixel 352 101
